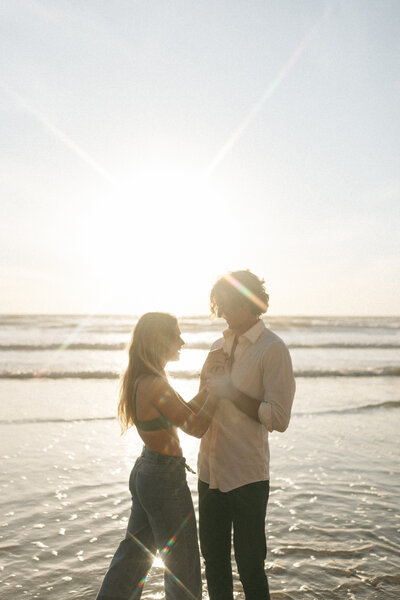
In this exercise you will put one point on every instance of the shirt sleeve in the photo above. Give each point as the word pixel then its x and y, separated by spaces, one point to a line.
pixel 279 388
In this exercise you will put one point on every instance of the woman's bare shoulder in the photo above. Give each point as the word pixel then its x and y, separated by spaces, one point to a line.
pixel 154 386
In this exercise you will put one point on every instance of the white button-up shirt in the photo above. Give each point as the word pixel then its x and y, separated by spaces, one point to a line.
pixel 234 451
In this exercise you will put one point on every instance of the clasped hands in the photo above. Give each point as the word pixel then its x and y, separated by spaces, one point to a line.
pixel 216 372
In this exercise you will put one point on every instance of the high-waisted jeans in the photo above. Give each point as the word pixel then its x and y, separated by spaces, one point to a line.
pixel 163 519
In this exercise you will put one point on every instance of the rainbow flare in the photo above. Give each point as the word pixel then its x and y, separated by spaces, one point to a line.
pixel 167 548
pixel 245 291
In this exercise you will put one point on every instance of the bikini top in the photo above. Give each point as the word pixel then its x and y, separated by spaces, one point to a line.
pixel 156 424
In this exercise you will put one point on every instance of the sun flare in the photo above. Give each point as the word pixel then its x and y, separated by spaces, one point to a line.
pixel 155 242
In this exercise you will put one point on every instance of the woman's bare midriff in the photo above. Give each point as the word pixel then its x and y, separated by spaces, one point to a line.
pixel 164 441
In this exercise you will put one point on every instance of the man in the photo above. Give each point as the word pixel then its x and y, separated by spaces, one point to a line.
pixel 256 396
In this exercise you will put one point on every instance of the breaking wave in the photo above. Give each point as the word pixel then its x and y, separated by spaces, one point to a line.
pixel 367 407
pixel 389 404
pixel 388 371
pixel 189 346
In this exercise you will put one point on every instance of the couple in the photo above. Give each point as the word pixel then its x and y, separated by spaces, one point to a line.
pixel 246 390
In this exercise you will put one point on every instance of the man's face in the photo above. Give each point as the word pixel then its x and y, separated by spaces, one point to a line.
pixel 235 312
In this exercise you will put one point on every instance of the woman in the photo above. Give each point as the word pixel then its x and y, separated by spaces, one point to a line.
pixel 162 516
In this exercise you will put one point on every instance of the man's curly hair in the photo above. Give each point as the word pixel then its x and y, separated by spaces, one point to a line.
pixel 241 286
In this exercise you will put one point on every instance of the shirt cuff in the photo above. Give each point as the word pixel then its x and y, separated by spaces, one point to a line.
pixel 265 415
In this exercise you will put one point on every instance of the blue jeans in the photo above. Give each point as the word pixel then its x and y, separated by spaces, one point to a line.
pixel 244 509
pixel 162 518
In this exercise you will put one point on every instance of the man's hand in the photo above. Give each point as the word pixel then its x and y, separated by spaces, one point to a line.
pixel 221 386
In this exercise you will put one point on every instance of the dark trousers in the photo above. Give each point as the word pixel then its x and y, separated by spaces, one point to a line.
pixel 244 508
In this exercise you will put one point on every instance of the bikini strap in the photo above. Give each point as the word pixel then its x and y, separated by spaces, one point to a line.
pixel 134 396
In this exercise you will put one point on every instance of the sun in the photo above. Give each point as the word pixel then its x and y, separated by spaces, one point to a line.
pixel 156 242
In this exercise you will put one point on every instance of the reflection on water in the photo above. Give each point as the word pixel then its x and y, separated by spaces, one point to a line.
pixel 333 517
pixel 331 522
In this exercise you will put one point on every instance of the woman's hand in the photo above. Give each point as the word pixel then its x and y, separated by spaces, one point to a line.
pixel 217 362
pixel 221 386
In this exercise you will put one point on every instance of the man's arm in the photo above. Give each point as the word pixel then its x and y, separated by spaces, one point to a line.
pixel 222 386
pixel 279 387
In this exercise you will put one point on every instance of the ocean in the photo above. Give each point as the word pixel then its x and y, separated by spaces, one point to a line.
pixel 333 518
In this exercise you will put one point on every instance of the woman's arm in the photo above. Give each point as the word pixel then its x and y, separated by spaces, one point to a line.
pixel 198 401
pixel 204 404
pixel 198 422
pixel 192 417
pixel 217 362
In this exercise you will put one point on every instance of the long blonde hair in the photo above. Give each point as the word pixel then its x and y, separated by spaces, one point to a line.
pixel 148 350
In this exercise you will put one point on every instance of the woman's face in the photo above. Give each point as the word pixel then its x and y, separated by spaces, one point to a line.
pixel 175 344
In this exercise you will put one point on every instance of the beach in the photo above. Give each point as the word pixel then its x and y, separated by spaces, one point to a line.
pixel 333 517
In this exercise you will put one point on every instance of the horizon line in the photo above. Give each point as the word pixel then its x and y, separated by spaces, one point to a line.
pixel 180 315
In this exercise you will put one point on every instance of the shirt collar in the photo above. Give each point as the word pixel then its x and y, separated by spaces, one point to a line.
pixel 251 334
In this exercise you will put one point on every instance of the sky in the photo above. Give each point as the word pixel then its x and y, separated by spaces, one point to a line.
pixel 147 147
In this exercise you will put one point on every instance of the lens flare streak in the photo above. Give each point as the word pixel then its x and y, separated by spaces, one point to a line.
pixel 164 552
pixel 267 94
pixel 59 134
pixel 172 541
